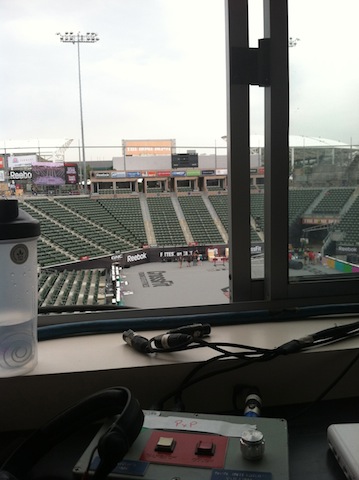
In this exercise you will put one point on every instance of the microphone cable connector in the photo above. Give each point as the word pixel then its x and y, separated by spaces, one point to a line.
pixel 172 341
pixel 252 403
pixel 137 342
pixel 196 330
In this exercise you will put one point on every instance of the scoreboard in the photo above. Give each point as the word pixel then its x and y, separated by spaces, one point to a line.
pixel 184 160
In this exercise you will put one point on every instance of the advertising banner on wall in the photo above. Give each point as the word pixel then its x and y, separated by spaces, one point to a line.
pixel 21 160
pixel 71 173
pixel 193 173
pixel 346 249
pixel 148 147
pixel 16 175
pixel 44 173
pixel 118 174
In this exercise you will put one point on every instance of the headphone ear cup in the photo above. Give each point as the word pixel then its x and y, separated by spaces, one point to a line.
pixel 113 446
pixel 115 443
pixel 104 404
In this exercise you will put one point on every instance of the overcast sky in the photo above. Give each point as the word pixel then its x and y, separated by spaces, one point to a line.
pixel 158 70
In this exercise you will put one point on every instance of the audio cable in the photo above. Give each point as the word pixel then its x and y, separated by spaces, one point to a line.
pixel 254 354
pixel 174 340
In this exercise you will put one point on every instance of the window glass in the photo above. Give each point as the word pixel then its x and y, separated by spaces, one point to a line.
pixel 144 173
pixel 257 170
pixel 324 151
pixel 99 87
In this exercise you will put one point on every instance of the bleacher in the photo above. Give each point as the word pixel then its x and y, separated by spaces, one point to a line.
pixel 53 250
pixel 48 255
pixel 73 234
pixel 108 232
pixel 199 220
pixel 165 223
pixel 349 225
pixel 83 287
pixel 128 215
pixel 221 205
pixel 75 227
pixel 257 209
pixel 333 201
pixel 299 201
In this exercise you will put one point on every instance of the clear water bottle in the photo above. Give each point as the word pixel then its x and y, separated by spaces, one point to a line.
pixel 18 290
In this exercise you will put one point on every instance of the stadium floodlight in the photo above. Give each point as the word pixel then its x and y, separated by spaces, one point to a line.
pixel 292 42
pixel 70 37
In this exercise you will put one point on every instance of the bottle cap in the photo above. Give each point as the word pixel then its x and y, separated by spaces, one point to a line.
pixel 15 223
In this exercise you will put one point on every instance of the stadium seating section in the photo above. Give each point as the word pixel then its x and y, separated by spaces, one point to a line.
pixel 165 222
pixel 82 287
pixel 72 228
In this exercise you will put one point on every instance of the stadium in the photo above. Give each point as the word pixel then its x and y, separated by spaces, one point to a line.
pixel 150 212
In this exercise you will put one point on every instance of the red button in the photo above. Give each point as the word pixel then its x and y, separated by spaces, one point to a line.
pixel 205 448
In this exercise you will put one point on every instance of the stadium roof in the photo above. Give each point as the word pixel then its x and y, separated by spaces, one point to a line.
pixel 301 141
pixel 297 141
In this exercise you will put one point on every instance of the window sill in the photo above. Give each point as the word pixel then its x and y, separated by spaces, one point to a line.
pixel 72 368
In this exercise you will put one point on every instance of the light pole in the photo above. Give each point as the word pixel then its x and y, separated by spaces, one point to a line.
pixel 70 37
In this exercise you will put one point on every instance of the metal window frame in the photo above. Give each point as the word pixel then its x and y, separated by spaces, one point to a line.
pixel 266 66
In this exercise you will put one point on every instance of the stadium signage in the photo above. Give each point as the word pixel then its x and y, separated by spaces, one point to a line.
pixel 137 257
pixel 178 174
pixel 21 161
pixel 319 221
pixel 23 175
pixel 116 257
pixel 346 249
pixel 102 175
pixel 175 253
pixel 208 172
pixel 193 173
pixel 118 174
pixel 71 174
pixel 256 249
pixel 148 147
pixel 133 174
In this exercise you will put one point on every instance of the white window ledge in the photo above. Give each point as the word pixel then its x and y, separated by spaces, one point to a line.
pixel 72 368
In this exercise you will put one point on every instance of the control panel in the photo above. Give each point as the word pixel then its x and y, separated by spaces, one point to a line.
pixel 184 446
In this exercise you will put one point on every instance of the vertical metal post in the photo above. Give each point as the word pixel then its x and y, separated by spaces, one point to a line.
pixel 82 120
pixel 238 157
pixel 276 151
pixel 69 37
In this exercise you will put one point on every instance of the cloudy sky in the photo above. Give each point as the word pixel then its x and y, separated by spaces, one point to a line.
pixel 158 71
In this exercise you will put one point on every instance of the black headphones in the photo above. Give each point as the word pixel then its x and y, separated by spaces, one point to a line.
pixel 112 446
